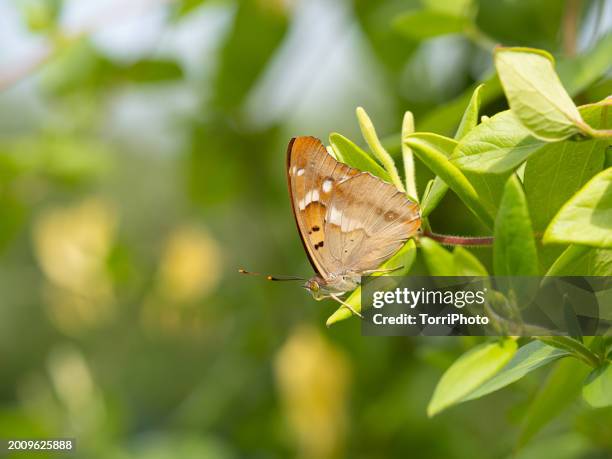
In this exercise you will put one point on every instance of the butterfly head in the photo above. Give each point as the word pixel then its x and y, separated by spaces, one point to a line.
pixel 315 285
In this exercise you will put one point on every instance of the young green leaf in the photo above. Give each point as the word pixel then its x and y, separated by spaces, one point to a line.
pixel 350 154
pixel 536 95
pixel 422 24
pixel 597 389
pixel 469 372
pixel 559 170
pixel 497 145
pixel 469 120
pixel 407 157
pixel 433 150
pixel 587 217
pixel 528 358
pixel 514 249
pixel 556 394
pixel 369 134
pixel 438 260
pixel 404 258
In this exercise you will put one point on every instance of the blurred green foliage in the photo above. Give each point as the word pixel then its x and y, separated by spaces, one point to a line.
pixel 142 162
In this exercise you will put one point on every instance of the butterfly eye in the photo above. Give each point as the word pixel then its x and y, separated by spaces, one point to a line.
pixel 312 285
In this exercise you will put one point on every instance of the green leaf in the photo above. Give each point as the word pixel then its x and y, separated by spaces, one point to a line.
pixel 466 264
pixel 435 191
pixel 468 122
pixel 497 145
pixel 470 117
pixel 535 93
pixel 568 258
pixel 422 24
pixel 597 389
pixel 350 154
pixel 528 358
pixel 438 260
pixel 514 249
pixel 404 257
pixel 469 372
pixel 441 262
pixel 560 390
pixel 583 261
pixel 575 347
pixel 587 217
pixel 433 150
pixel 438 188
pixel 559 170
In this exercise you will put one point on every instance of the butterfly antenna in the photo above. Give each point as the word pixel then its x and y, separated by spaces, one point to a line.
pixel 272 278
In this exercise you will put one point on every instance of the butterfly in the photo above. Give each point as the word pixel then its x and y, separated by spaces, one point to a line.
pixel 349 221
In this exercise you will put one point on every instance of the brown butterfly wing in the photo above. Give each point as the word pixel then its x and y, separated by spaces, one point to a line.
pixel 368 221
pixel 349 221
pixel 309 169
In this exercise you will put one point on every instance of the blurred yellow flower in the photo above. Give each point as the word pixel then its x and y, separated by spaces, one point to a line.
pixel 313 379
pixel 75 388
pixel 72 245
pixel 190 266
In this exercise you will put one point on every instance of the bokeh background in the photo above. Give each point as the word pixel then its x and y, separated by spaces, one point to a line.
pixel 142 149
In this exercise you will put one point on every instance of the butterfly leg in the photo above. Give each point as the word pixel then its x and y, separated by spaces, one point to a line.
pixel 346 305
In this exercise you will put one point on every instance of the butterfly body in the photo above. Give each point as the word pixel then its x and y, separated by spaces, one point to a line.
pixel 349 221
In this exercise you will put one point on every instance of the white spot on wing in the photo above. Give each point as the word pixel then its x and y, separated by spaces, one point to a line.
pixel 311 196
pixel 334 216
pixel 327 185
pixel 300 172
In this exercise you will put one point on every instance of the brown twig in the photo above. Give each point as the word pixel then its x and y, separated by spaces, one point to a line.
pixel 466 241
pixel 571 19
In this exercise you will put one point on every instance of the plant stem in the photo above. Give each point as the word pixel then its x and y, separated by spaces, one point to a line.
pixel 480 39
pixel 597 133
pixel 466 241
